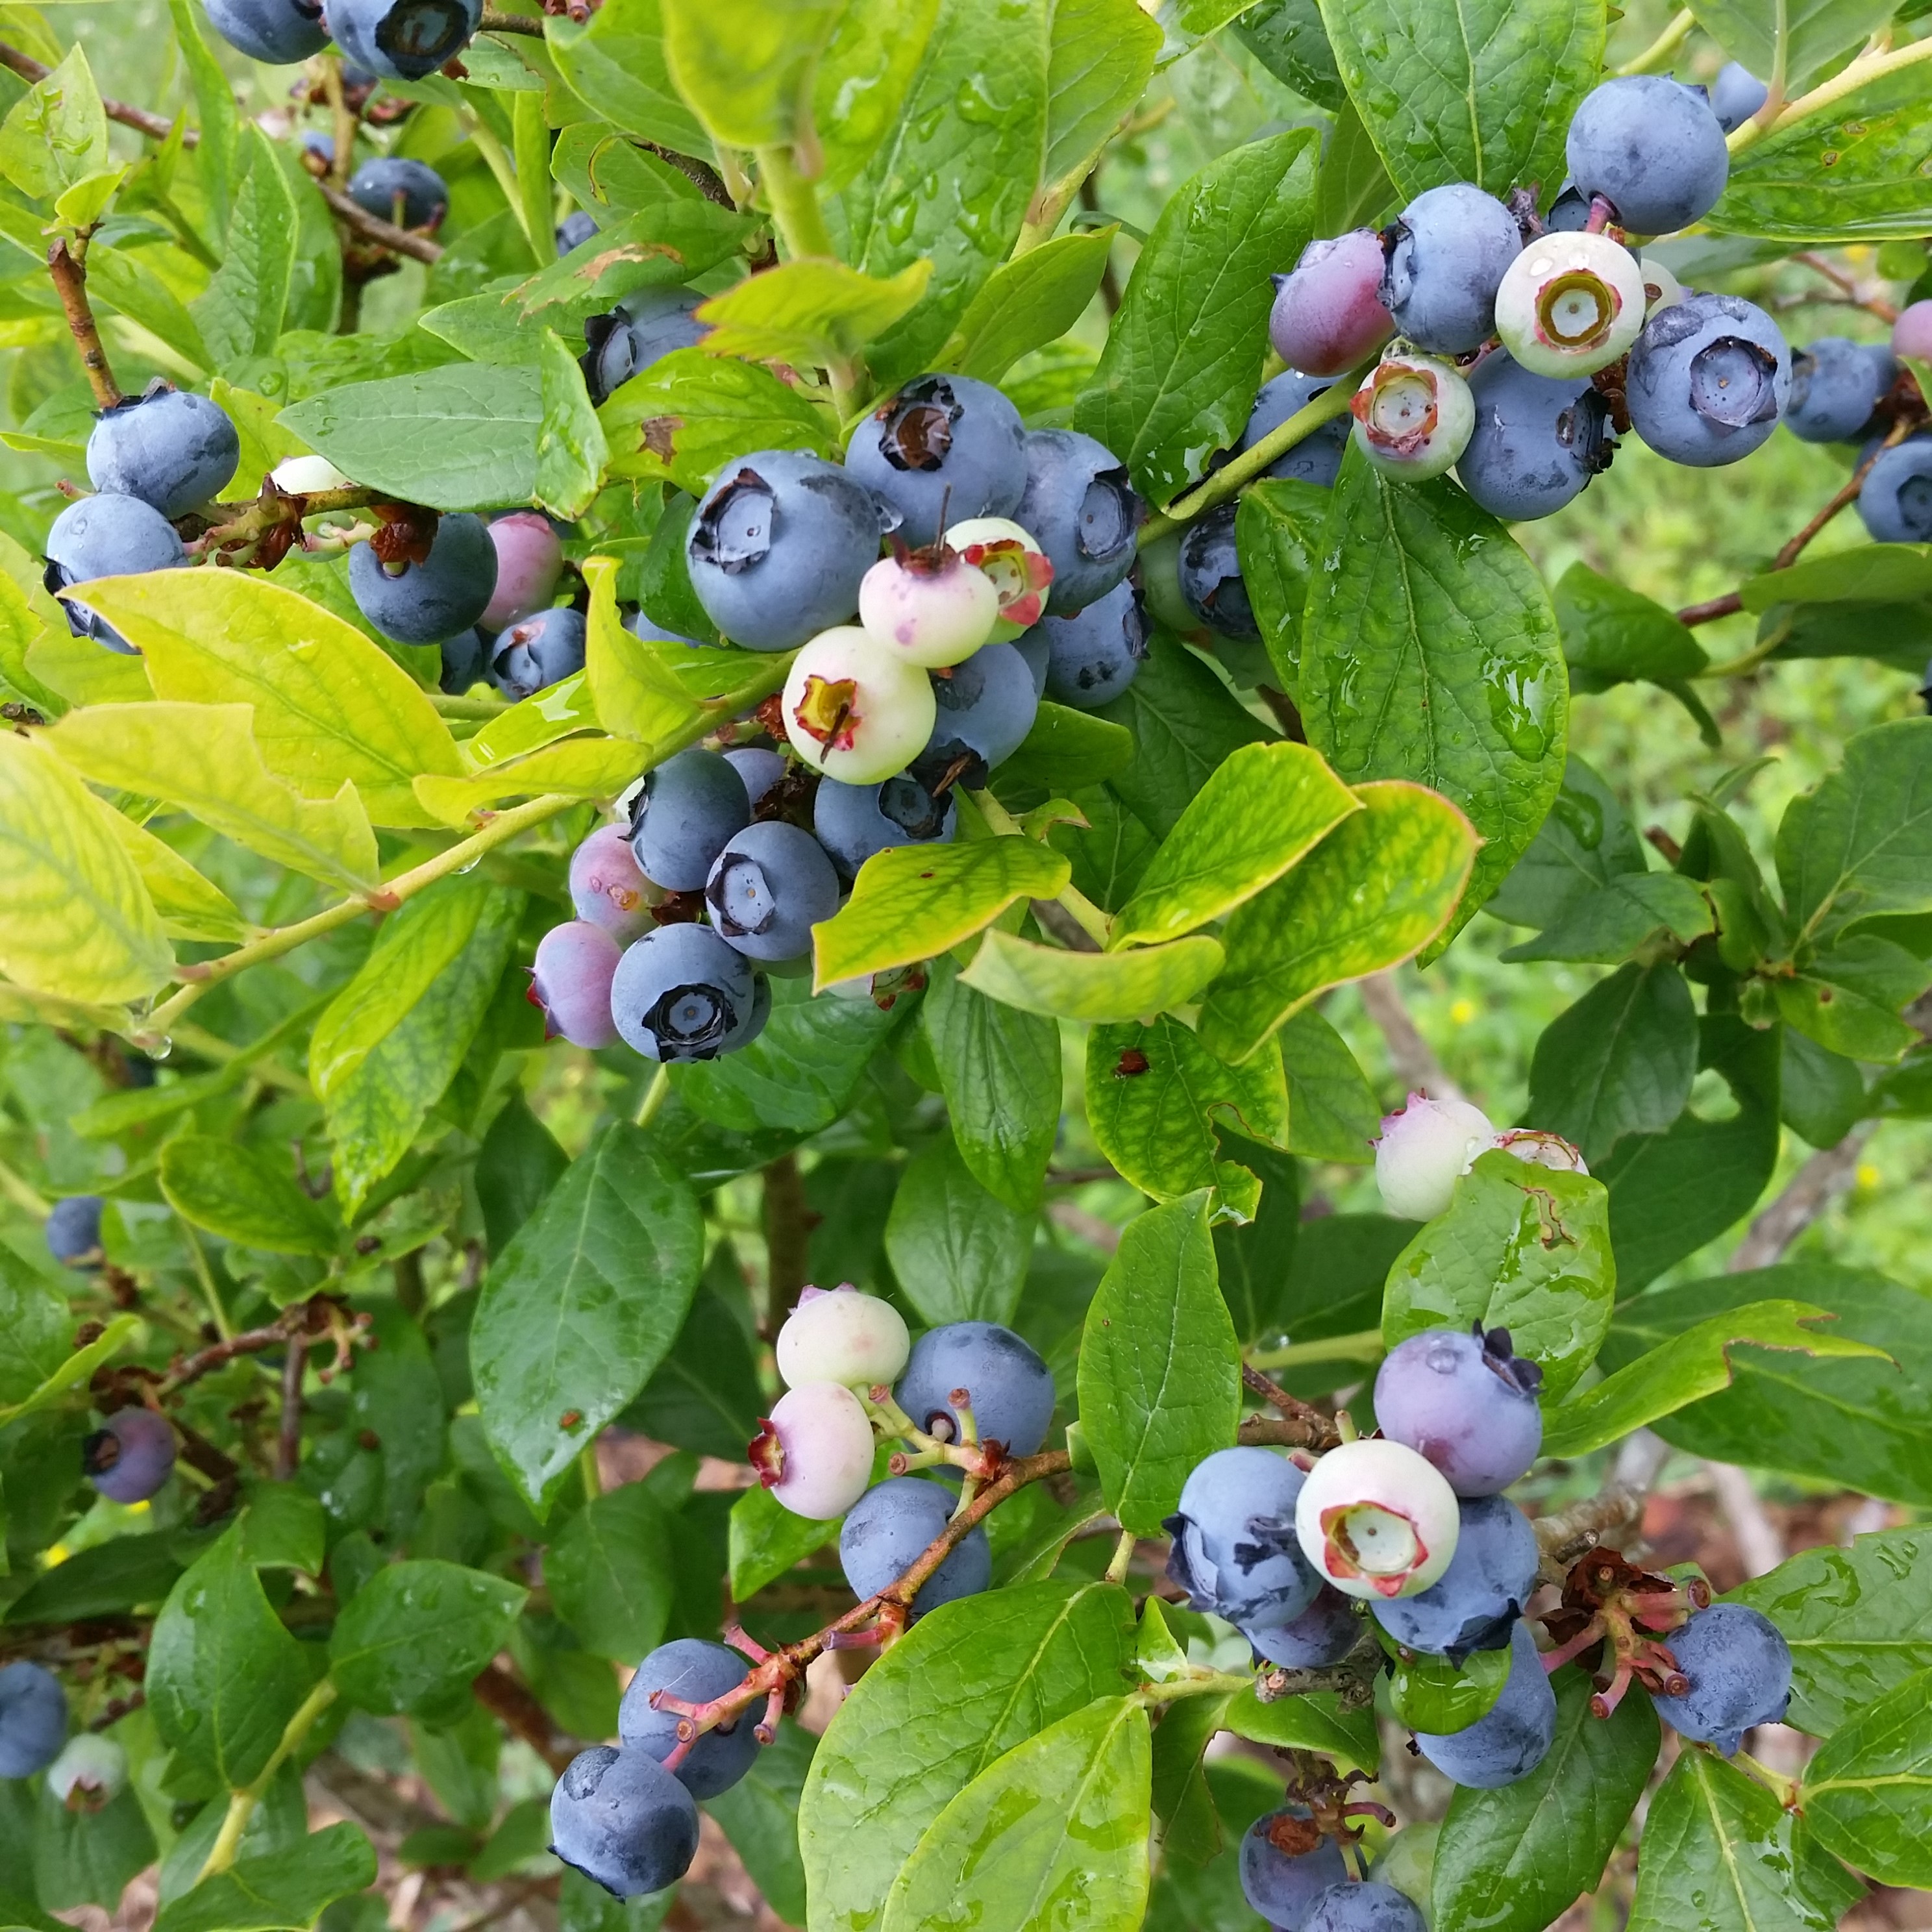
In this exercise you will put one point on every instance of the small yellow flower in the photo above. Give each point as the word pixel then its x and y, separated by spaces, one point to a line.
pixel 1463 1012
pixel 1868 1176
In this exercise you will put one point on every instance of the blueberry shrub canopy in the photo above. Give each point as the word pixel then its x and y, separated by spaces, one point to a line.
pixel 964 965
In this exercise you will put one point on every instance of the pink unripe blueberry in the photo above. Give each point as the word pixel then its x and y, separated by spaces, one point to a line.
pixel 89 1772
pixel 1425 1146
pixel 1538 1148
pixel 838 1335
pixel 856 710
pixel 814 1451
pixel 129 1457
pixel 1912 333
pixel 931 611
pixel 607 886
pixel 1020 571
pixel 571 981
pixel 1413 416
pixel 1571 304
pixel 1327 315
pixel 1377 1520
pixel 529 560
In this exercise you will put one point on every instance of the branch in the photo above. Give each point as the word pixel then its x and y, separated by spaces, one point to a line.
pixel 70 280
pixel 374 228
pixel 700 174
pixel 1885 310
pixel 1760 1547
pixel 316 1316
pixel 1412 1057
pixel 288 1438
pixel 499 1693
pixel 152 125
pixel 495 21
pixel 1812 1189
pixel 1567 1533
pixel 1320 1433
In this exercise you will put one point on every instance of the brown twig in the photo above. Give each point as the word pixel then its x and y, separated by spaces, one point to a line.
pixel 343 118
pixel 288 1440
pixel 1058 923
pixel 788 1221
pixel 1874 305
pixel 1567 1533
pixel 701 175
pixel 154 126
pixel 313 1317
pixel 1812 1189
pixel 1110 283
pixel 70 280
pixel 374 228
pixel 495 21
pixel 498 1692
pixel 1412 1056
pixel 1320 1433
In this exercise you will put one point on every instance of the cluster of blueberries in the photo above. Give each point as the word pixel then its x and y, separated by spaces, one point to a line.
pixel 83 1772
pixel 397 40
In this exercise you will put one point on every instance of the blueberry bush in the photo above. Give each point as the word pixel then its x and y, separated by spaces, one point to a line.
pixel 723 726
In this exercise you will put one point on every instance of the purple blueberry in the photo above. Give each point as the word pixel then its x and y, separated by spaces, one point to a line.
pixel 529 560
pixel 1010 1387
pixel 1512 1737
pixel 1364 1906
pixel 1474 1605
pixel 1235 1551
pixel 1316 459
pixel 853 822
pixel 761 767
pixel 642 328
pixel 1287 1863
pixel 690 807
pixel 1093 657
pixel 943 445
pixel 1537 441
pixel 168 447
pixel 894 1523
pixel 403 39
pixel 410 194
pixel 607 885
pixel 107 536
pixel 1652 148
pixel 1210 574
pixel 538 651
pixel 1443 258
pixel 575 230
pixel 1739 1666
pixel 280 32
pixel 681 993
pixel 1895 499
pixel 694 1672
pixel 1708 379
pixel 1324 1633
pixel 1736 95
pixel 1835 385
pixel 769 887
pixel 1912 333
pixel 1328 315
pixel 1081 509
pixel 424 603
pixel 1465 1401
pixel 570 981
pixel 129 1457
pixel 33 1719
pixel 620 1818
pixel 984 708
pixel 73 1231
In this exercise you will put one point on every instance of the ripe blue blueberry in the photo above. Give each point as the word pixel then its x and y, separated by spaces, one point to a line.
pixel 607 887
pixel 681 993
pixel 1443 258
pixel 944 447
pixel 1739 1666
pixel 1512 1737
pixel 1235 1551
pixel 466 661
pixel 403 39
pixel 778 547
pixel 1315 459
pixel 986 707
pixel 769 887
pixel 694 1672
pixel 421 603
pixel 570 981
pixel 410 194
pixel 1474 1605
pixel 33 1719
pixel 1736 95
pixel 129 1457
pixel 279 31
pixel 1364 1906
pixel 632 336
pixel 1328 314
pixel 1210 574
pixel 1037 654
pixel 538 651
pixel 1570 212
pixel 894 1522
pixel 107 536
pixel 575 230
pixel 854 821
pixel 688 809
pixel 1537 439
pixel 620 1818
pixel 1896 498
pixel 1324 1633
pixel 1094 655
pixel 168 447
pixel 1011 1389
pixel 1835 384
pixel 1082 510
pixel 1287 1863
pixel 1708 379
pixel 1652 148
pixel 761 767
pixel 1466 1402
pixel 640 624
pixel 73 1231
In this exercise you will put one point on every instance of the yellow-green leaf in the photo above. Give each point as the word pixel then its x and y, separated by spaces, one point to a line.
pixel 809 312
pixel 190 907
pixel 1096 986
pixel 78 922
pixel 634 696
pixel 240 1194
pixel 582 767
pixel 264 441
pixel 78 1367
pixel 203 758
pixel 570 448
pixel 330 706
pixel 84 672
pixel 556 711
pixel 915 900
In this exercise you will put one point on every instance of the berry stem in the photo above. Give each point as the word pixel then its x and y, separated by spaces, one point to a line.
pixel 1123 1555
pixel 1365 1345
pixel 656 1094
pixel 1658 54
pixel 241 1803
pixel 1785 1789
pixel 1848 80
pixel 495 21
pixel 70 280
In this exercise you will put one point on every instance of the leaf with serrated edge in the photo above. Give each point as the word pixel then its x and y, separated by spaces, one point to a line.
pixel 1095 986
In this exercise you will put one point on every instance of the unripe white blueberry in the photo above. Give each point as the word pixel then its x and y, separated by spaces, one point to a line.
pixel 856 711
pixel 931 610
pixel 1571 304
pixel 1661 288
pixel 303 475
pixel 1424 1147
pixel 1377 1520
pixel 1020 571
pixel 1538 1148
pixel 814 1453
pixel 1413 416
pixel 838 1335
pixel 89 1772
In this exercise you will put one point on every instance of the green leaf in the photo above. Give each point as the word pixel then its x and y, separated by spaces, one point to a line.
pixel 1183 356
pixel 766 1539
pixel 1514 1859
pixel 1858 1621
pixel 235 1192
pixel 1332 1113
pixel 1587 843
pixel 1693 1364
pixel 223 1676
pixel 1315 1721
pixel 1002 1667
pixel 705 1396
pixel 215 110
pixel 389 1044
pixel 1719 1838
pixel 1056 1832
pixel 609 1574
pixel 418 1630
pixel 461 437
pixel 330 706
pixel 83 1858
pixel 77 1369
pixel 79 922
pixel 282 1890
pixel 1031 300
pixel 1850 998
pixel 1278 533
pixel 570 449
pixel 1000 1070
pixel 1821 1095
pixel 1189 1828
pixel 36 1331
pixel 814 312
pixel 1433 655
pixel 614 62
pixel 190 906
pixel 1288 38
pixel 1866 573
pixel 1430 1693
pixel 1792 37
pixel 612 176
pixel 55 134
pixel 1520 1247
pixel 598 768
pixel 1100 57
pixel 240 312
pixel 1262 811
pixel 1160 1369
pixel 747 84
pixel 583 1305
pixel 106 1580
pixel 1620 1061
pixel 958 1252
pixel 687 415
pixel 760 1816
pixel 1252 1258
pixel 859 84
pixel 1375 891
pixel 283 1529
pixel 952 181
pixel 1092 986
pixel 1067 749
pixel 1479 90
pixel 912 901
pixel 1613 635
pixel 1353 190
pixel 1614 921
pixel 633 693
pixel 118 279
